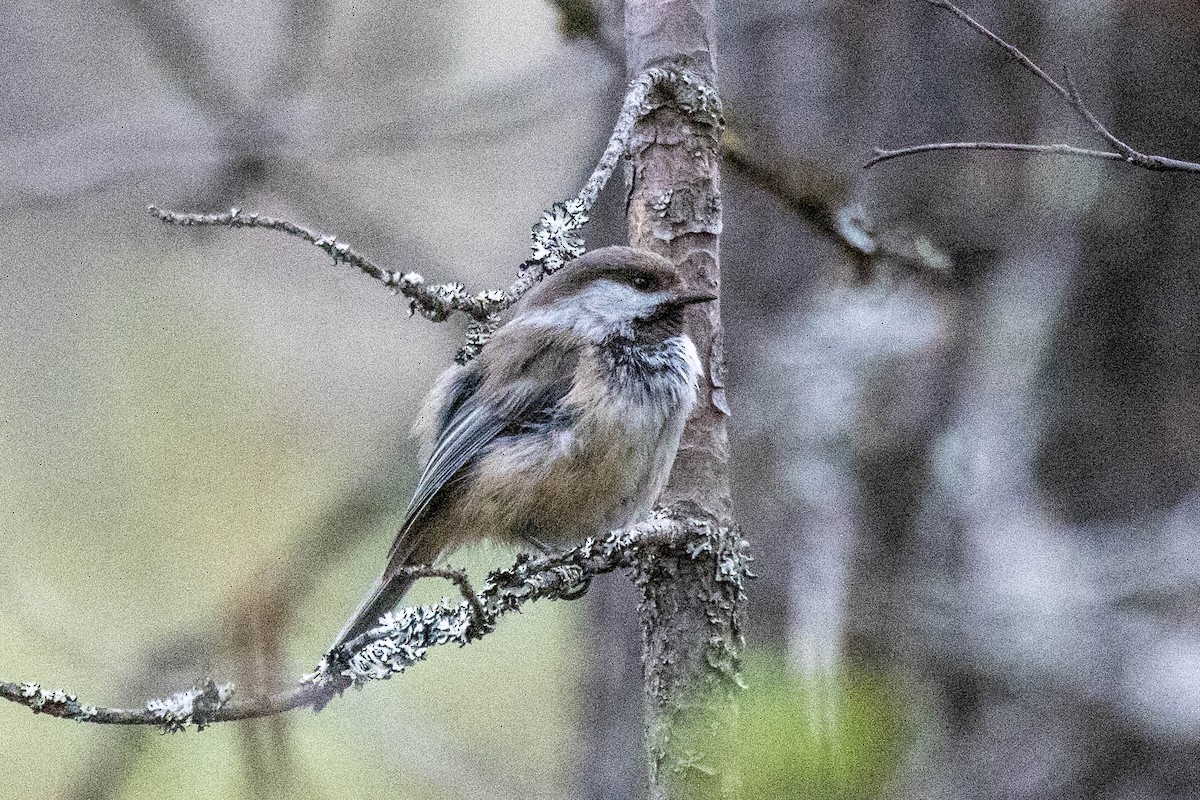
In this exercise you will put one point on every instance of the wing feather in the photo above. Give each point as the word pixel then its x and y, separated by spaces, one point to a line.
pixel 479 409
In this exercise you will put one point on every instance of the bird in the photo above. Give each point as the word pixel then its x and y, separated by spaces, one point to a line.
pixel 565 426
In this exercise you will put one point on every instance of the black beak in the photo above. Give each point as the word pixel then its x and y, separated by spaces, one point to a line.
pixel 691 298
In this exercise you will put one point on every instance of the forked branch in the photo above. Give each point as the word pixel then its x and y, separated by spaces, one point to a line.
pixel 1119 150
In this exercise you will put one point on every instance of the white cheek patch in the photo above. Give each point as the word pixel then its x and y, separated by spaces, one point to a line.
pixel 612 303
pixel 604 307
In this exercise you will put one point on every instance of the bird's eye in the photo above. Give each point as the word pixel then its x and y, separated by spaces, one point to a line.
pixel 641 283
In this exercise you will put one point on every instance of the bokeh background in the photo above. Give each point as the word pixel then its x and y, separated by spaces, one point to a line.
pixel 968 462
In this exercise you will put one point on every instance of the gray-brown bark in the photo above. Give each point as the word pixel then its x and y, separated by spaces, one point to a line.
pixel 692 607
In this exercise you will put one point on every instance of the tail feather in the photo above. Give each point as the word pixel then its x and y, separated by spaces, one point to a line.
pixel 382 598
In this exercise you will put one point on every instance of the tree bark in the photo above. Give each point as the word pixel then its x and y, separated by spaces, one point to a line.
pixel 691 614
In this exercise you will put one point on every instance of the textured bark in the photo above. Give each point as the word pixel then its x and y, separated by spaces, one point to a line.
pixel 692 605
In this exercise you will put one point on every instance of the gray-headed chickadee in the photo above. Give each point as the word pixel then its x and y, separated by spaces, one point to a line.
pixel 565 426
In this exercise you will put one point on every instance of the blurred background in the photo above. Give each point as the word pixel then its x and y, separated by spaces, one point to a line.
pixel 966 423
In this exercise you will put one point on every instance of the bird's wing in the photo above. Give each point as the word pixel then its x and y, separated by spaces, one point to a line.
pixel 481 407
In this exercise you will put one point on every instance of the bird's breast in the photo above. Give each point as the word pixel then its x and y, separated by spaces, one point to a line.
pixel 603 470
pixel 660 375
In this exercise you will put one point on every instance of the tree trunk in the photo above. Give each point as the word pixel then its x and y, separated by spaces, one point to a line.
pixel 691 613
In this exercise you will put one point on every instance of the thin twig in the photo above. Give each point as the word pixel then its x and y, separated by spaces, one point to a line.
pixel 819 195
pixel 554 237
pixel 1012 50
pixel 403 638
pixel 1121 151
pixel 1047 149
pixel 459 578
pixel 435 302
pixel 806 189
pixel 1070 92
pixel 812 192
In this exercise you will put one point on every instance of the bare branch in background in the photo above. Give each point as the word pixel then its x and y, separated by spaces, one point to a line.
pixel 249 141
pixel 813 192
pixel 810 190
pixel 820 196
pixel 254 623
pixel 1043 149
pixel 1120 151
pixel 581 20
pixel 578 19
pixel 403 638
pixel 251 133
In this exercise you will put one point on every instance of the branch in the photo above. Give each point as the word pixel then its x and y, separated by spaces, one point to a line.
pixel 812 192
pixel 1048 149
pixel 582 20
pixel 256 617
pixel 250 131
pixel 1120 150
pixel 554 236
pixel 819 196
pixel 692 609
pixel 808 190
pixel 305 24
pixel 435 302
pixel 403 637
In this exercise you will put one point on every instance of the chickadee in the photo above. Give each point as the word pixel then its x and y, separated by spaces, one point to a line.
pixel 565 426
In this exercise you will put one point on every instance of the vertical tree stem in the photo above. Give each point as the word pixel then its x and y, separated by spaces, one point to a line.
pixel 692 605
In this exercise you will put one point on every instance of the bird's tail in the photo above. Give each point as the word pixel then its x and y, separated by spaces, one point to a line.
pixel 382 598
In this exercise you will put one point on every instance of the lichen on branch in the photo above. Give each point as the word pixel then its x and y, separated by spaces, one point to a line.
pixel 404 637
pixel 555 238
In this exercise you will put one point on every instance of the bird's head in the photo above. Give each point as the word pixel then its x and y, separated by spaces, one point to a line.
pixel 612 291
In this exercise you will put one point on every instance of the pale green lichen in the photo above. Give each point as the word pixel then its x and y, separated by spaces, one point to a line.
pixel 403 638
pixel 554 242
